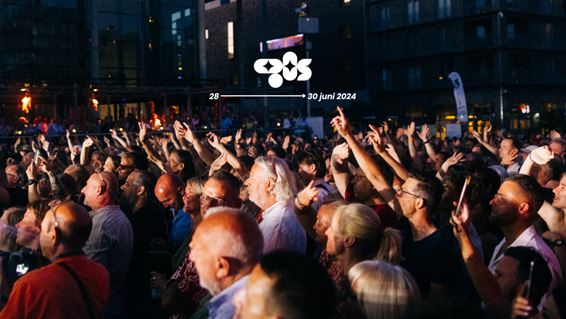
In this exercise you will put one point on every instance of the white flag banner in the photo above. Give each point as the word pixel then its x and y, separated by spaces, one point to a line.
pixel 460 96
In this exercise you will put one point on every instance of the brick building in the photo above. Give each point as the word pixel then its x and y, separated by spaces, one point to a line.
pixel 234 36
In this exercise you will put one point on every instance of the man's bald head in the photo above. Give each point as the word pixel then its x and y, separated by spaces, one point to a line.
pixel 234 233
pixel 65 229
pixel 101 189
pixel 169 190
pixel 225 247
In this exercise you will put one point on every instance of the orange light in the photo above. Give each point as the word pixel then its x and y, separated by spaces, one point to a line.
pixel 94 102
pixel 26 103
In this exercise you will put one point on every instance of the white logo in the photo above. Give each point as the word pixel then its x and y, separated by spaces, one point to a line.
pixel 292 69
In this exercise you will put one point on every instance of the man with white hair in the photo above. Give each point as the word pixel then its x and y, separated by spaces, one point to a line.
pixel 271 187
pixel 224 248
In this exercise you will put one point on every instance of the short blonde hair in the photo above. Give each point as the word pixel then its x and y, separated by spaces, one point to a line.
pixel 372 240
pixel 383 290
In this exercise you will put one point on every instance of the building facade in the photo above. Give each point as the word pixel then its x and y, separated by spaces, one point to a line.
pixel 125 52
pixel 240 32
pixel 510 55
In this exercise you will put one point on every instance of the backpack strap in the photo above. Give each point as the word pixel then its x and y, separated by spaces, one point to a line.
pixel 84 294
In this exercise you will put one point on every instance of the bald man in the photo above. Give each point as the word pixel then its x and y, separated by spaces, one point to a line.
pixel 225 247
pixel 111 241
pixel 72 286
pixel 169 191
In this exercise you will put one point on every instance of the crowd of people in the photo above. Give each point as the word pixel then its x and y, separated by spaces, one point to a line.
pixel 386 222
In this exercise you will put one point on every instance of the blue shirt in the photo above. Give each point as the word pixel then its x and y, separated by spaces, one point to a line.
pixel 221 306
pixel 180 228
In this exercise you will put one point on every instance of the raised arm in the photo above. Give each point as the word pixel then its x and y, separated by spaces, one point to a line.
pixel 491 148
pixel 202 151
pixel 424 135
pixel 367 164
pixel 240 169
pixel 339 167
pixel 375 138
pixel 484 281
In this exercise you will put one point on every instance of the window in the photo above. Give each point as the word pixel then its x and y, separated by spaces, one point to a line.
pixel 346 31
pixel 345 2
pixel 386 78
pixel 480 5
pixel 413 11
pixel 230 40
pixel 384 16
pixel 480 32
pixel 444 7
pixel 206 34
pixel 347 64
pixel 414 76
pixel 516 28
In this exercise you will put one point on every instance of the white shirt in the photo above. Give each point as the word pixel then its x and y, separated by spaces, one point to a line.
pixel 530 238
pixel 281 229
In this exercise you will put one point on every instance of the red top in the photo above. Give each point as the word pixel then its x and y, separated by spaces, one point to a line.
pixel 51 291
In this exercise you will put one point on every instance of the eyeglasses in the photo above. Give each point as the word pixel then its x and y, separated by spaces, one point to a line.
pixel 205 199
pixel 402 191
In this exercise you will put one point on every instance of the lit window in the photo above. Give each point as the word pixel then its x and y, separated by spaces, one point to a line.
pixel 346 2
pixel 206 34
pixel 413 9
pixel 230 40
pixel 444 7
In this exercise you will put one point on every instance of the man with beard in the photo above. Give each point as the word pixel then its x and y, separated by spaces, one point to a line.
pixel 272 186
pixel 514 209
pixel 130 161
pixel 150 234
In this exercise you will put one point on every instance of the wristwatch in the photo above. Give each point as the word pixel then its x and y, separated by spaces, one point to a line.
pixel 558 243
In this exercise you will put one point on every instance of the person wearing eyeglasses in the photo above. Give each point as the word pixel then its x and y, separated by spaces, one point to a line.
pixel 72 286
pixel 431 253
pixel 112 239
pixel 183 294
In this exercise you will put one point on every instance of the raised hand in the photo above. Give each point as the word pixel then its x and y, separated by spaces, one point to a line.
pixel 423 134
pixel 88 142
pixel 218 163
pixel 341 152
pixel 521 307
pixel 340 123
pixel 238 136
pixel 189 135
pixel 143 131
pixel 113 133
pixel 541 155
pixel 307 195
pixel 460 221
pixel 453 160
pixel 374 137
pixel 410 129
pixel 226 139
pixel 67 134
pixel 477 135
pixel 510 158
pixel 555 135
pixel 286 142
pixel 213 140
pixel 31 171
